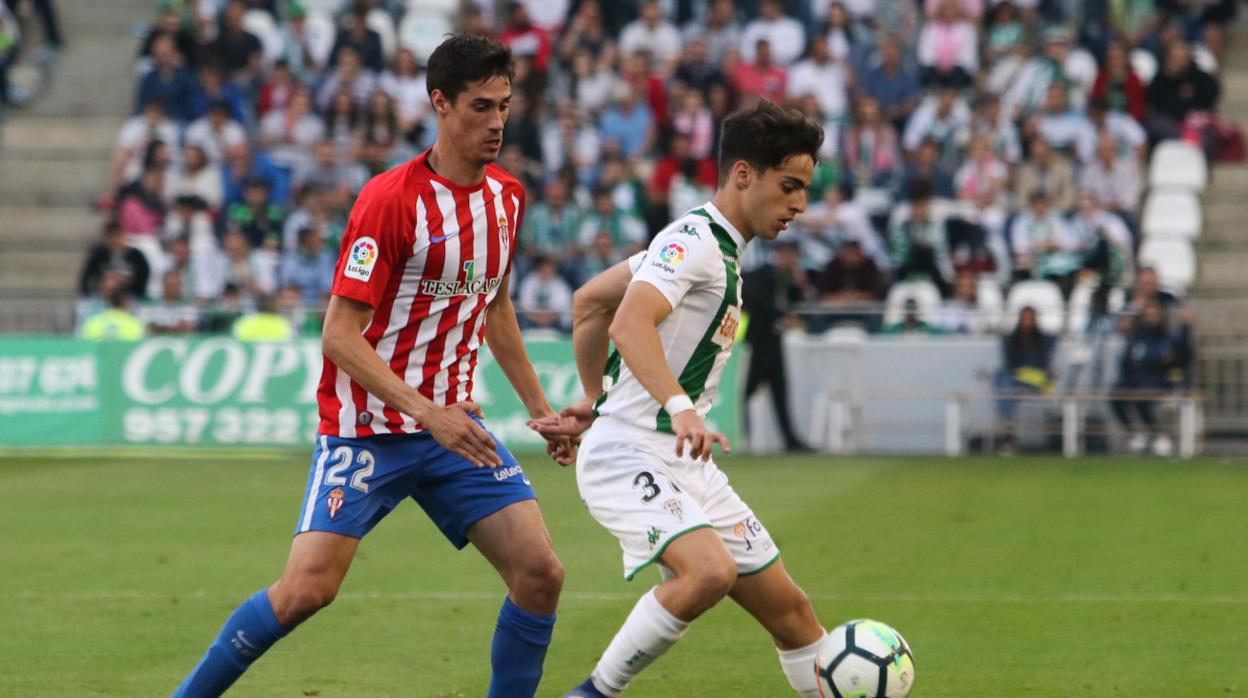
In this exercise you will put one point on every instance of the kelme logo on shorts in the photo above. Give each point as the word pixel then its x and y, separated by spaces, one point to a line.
pixel 361 259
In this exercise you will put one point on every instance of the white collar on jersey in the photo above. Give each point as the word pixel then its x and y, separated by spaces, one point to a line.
pixel 720 219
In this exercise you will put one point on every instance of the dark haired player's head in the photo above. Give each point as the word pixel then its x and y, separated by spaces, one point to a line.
pixel 767 156
pixel 469 82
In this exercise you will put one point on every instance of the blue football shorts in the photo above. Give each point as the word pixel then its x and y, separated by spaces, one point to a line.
pixel 354 483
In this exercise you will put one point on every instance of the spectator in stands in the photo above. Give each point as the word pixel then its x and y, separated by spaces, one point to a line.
pixel 171 313
pixel 769 296
pixel 823 77
pixel 278 89
pixel 1113 179
pixel 1005 45
pixel 1048 173
pixel 948 52
pixel 1026 91
pixel 112 256
pixel 1026 367
pixel 189 221
pixel 264 324
pixel 216 133
pixel 348 76
pixel 116 323
pixel 141 206
pixel 651 32
pixel 256 216
pixel 784 35
pixel 929 170
pixel 628 232
pixel 963 314
pixel 720 31
pixel 585 30
pixel 169 23
pixel 212 87
pixel 983 177
pixel 1128 134
pixel 1044 245
pixel 1179 89
pixel 310 268
pixel 1153 361
pixel 243 167
pixel 243 268
pixel 237 49
pixel 871 152
pixel 552 226
pixel 600 256
pixel 168 82
pixel 522 128
pixel 1117 85
pixel 1148 290
pixel 676 170
pixel 693 120
pixel 912 324
pixel 849 43
pixel 1002 136
pixel 1105 240
pixel 762 78
pixel 945 119
pixel 589 85
pixel 288 135
pixel 918 245
pixel 831 222
pixel 195 176
pixel 894 87
pixel 527 40
pixel 850 279
pixel 628 122
pixel 340 180
pixel 381 123
pixel 344 125
pixel 1065 129
pixel 357 36
pixel 221 315
pixel 136 135
pixel 406 86
pixel 297 46
pixel 544 299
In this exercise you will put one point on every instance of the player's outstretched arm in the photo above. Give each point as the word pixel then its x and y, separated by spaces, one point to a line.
pixel 593 308
pixel 635 333
pixel 502 334
pixel 343 342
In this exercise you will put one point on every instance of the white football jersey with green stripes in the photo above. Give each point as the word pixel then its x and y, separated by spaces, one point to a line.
pixel 693 263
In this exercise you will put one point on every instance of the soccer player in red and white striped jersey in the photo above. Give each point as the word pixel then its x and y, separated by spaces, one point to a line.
pixel 422 280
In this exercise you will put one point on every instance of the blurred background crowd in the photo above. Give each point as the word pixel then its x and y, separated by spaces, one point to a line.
pixel 982 156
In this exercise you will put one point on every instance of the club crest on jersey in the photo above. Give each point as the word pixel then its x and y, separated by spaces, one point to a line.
pixel 361 259
pixel 334 501
pixel 670 256
pixel 504 232
pixel 673 506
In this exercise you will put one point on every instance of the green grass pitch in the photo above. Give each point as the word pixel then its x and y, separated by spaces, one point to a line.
pixel 1027 577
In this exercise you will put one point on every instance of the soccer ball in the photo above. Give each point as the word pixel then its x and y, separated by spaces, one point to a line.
pixel 864 659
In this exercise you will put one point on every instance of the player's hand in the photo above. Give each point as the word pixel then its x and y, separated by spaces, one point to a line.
pixel 563 450
pixel 454 429
pixel 572 421
pixel 688 426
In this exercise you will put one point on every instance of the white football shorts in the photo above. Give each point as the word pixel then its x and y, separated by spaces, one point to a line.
pixel 634 485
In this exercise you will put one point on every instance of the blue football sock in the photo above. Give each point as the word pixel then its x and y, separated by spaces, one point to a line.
pixel 520 642
pixel 248 632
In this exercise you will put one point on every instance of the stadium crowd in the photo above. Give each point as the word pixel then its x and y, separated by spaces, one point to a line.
pixel 971 144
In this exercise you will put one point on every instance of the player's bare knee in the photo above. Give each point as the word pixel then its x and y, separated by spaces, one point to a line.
pixel 716 579
pixel 539 582
pixel 294 601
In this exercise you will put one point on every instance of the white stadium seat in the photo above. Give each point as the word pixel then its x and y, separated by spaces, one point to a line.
pixel 1204 59
pixel 321 36
pixel 1171 213
pixel 260 24
pixel 1045 297
pixel 381 22
pixel 422 32
pixel 1173 258
pixel 1178 165
pixel 924 293
pixel 1144 64
pixel 991 302
pixel 324 7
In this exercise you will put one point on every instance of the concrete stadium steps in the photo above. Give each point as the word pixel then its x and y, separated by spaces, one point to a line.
pixel 54 162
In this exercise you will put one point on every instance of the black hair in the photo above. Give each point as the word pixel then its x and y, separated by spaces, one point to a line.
pixel 766 135
pixel 465 59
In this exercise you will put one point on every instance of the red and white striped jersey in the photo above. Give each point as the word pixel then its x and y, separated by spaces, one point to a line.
pixel 429 256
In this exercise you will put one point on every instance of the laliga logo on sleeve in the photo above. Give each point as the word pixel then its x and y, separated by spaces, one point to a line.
pixel 670 257
pixel 361 259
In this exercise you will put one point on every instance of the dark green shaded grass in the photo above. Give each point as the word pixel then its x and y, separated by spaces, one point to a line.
pixel 1028 577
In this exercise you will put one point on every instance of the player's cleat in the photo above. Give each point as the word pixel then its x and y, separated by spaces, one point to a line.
pixel 585 690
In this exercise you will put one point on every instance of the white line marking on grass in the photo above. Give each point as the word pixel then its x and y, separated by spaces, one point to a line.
pixel 611 596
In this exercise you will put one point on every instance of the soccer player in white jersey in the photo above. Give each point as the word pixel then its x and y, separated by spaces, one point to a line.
pixel 644 468
pixel 421 280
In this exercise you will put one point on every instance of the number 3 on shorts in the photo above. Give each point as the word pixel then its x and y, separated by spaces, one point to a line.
pixel 342 459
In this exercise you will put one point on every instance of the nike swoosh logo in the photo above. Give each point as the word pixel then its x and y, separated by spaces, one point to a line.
pixel 441 238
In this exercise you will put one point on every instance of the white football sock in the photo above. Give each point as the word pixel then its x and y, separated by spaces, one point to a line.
pixel 799 669
pixel 649 631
